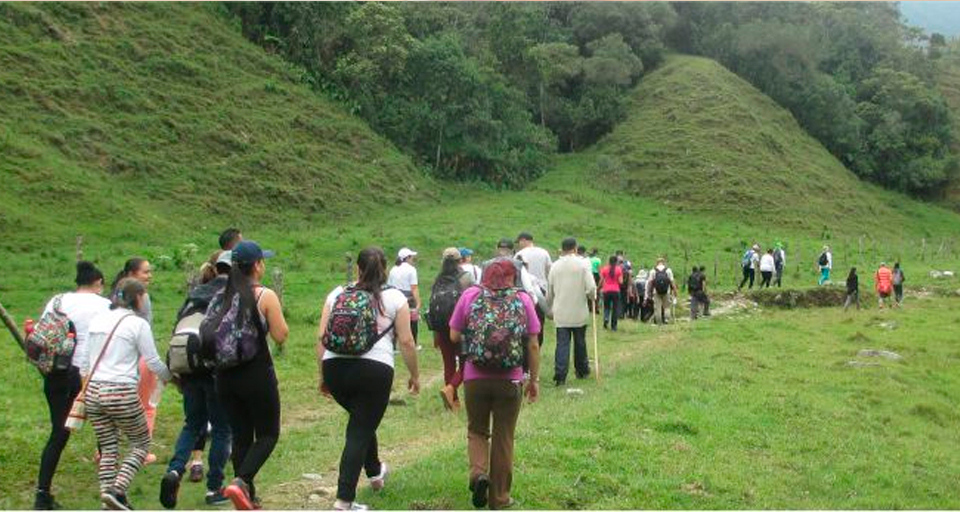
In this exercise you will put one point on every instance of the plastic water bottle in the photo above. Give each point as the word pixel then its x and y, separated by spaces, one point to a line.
pixel 157 393
pixel 28 326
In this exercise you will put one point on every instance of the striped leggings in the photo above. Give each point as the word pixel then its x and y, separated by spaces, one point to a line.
pixel 115 409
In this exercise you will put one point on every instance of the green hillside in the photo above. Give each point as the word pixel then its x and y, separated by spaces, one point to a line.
pixel 163 114
pixel 700 138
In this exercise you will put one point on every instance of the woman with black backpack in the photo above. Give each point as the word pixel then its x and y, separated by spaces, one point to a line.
pixel 450 283
pixel 358 326
pixel 246 382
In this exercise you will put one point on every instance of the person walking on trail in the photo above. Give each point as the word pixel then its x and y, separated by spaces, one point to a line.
pixel 627 267
pixel 702 298
pixel 523 278
pixel 595 263
pixel 749 264
pixel 825 263
pixel 230 238
pixel 538 264
pixel 883 280
pixel 663 289
pixel 767 268
pixel 639 292
pixel 62 385
pixel 498 324
pixel 779 262
pixel 403 276
pixel 611 275
pixel 466 264
pixel 140 269
pixel 234 334
pixel 853 290
pixel 201 408
pixel 898 278
pixel 117 340
pixel 695 287
pixel 356 364
pixel 446 291
pixel 570 288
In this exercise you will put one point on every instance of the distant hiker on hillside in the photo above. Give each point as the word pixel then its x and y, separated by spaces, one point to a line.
pixel 466 264
pixel 237 321
pixel 611 275
pixel 355 358
pixel 595 263
pixel 767 268
pixel 403 276
pixel 884 284
pixel 660 286
pixel 446 291
pixel 696 288
pixel 625 287
pixel 570 287
pixel 898 279
pixel 63 382
pixel 749 264
pixel 853 289
pixel 702 298
pixel 201 407
pixel 230 238
pixel 117 340
pixel 638 292
pixel 498 324
pixel 825 263
pixel 538 264
pixel 779 262
pixel 140 269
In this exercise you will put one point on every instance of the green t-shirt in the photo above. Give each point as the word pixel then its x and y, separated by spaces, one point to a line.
pixel 595 265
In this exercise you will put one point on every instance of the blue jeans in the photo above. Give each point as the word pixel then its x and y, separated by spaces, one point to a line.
pixel 581 363
pixel 200 406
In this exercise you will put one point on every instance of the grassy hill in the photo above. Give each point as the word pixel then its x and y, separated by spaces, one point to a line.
pixel 129 123
pixel 151 116
pixel 700 138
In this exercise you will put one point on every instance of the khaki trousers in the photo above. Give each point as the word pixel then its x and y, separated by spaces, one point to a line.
pixel 499 400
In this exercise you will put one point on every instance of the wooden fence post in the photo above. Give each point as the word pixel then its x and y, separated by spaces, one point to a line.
pixel 349 267
pixel 79 247
pixel 278 283
pixel 923 249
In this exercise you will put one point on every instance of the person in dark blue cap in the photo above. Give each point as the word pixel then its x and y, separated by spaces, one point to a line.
pixel 466 264
pixel 248 391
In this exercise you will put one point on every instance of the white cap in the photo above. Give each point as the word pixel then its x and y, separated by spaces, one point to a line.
pixel 405 253
pixel 225 258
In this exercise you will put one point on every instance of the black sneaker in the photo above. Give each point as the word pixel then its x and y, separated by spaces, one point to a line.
pixel 480 486
pixel 216 498
pixel 44 501
pixel 169 488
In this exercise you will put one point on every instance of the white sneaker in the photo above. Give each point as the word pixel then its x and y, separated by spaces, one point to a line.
pixel 349 505
pixel 377 482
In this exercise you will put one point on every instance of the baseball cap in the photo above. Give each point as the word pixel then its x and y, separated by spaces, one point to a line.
pixel 224 258
pixel 249 251
pixel 464 252
pixel 525 235
pixel 451 253
pixel 505 243
pixel 405 253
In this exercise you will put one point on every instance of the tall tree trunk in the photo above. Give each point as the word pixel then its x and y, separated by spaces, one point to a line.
pixel 543 101
pixel 439 143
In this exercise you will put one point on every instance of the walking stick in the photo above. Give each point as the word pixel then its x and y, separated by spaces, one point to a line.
pixel 596 344
pixel 12 326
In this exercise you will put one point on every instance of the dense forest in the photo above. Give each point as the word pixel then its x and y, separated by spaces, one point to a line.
pixel 486 91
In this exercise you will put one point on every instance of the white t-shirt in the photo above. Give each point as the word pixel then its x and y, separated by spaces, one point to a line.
pixel 382 351
pixel 403 277
pixel 755 260
pixel 132 340
pixel 473 270
pixel 538 263
pixel 766 263
pixel 80 308
pixel 653 275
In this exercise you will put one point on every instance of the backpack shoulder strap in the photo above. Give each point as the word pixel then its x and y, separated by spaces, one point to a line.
pixel 103 351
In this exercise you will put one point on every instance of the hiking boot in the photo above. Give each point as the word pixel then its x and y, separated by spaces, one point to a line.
pixel 169 489
pixel 479 488
pixel 114 501
pixel 44 501
pixel 216 498
pixel 239 493
pixel 349 505
pixel 377 482
pixel 446 393
pixel 196 471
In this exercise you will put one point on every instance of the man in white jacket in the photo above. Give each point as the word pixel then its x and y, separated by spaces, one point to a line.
pixel 570 287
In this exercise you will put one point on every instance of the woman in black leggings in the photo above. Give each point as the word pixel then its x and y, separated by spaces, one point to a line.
pixel 248 392
pixel 361 383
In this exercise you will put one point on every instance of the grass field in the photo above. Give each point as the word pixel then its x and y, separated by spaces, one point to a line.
pixel 757 409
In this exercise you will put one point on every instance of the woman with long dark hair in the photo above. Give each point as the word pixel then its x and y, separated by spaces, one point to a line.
pixel 448 286
pixel 853 289
pixel 361 383
pixel 248 392
pixel 611 276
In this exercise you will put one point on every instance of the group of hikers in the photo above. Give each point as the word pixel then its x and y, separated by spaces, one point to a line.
pixel 487 319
